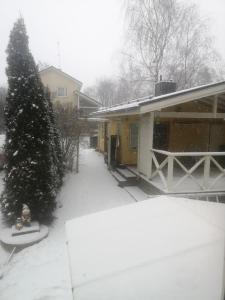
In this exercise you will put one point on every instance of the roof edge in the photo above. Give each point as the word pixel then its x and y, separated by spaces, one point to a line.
pixel 62 72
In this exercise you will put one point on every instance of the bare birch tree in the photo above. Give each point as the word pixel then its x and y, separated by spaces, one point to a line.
pixel 150 26
pixel 169 38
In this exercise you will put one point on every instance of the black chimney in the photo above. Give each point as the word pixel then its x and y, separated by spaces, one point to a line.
pixel 165 87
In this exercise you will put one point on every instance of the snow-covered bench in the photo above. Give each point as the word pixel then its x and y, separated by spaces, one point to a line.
pixel 161 248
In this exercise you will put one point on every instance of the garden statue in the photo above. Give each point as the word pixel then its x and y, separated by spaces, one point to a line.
pixel 26 215
pixel 19 224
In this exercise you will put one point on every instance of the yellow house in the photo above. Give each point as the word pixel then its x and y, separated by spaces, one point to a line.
pixel 176 141
pixel 66 90
pixel 62 86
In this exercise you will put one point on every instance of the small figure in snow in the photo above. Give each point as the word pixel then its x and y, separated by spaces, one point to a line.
pixel 19 224
pixel 26 215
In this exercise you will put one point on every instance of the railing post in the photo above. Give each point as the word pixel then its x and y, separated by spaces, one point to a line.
pixel 170 173
pixel 150 141
pixel 206 172
pixel 149 170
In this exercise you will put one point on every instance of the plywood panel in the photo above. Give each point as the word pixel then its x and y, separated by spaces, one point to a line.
pixel 189 136
pixel 217 136
pixel 121 127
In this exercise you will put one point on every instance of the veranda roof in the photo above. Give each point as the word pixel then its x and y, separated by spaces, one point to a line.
pixel 150 103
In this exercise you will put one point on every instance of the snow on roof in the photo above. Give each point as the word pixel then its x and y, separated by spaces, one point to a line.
pixel 162 248
pixel 123 106
pixel 94 119
pixel 136 103
pixel 177 93
pixel 119 107
pixel 88 98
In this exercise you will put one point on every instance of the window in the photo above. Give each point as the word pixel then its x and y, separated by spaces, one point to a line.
pixel 62 92
pixel 133 143
pixel 161 136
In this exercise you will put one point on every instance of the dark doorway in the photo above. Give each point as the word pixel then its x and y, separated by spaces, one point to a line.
pixel 161 136
pixel 113 149
pixel 105 137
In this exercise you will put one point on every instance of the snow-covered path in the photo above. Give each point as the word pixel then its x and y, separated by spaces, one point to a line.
pixel 93 189
pixel 40 272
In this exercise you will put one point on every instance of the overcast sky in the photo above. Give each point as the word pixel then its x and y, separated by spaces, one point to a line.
pixel 89 32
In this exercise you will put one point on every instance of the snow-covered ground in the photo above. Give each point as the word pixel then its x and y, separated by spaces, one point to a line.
pixel 161 248
pixel 41 272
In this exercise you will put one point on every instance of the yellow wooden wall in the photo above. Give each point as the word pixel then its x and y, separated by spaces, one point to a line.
pixel 101 137
pixel 126 155
pixel 187 136
pixel 194 135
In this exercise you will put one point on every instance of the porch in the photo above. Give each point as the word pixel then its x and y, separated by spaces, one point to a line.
pixel 185 151
pixel 185 172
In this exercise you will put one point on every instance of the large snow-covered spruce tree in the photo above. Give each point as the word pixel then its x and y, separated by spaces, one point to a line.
pixel 30 166
pixel 55 145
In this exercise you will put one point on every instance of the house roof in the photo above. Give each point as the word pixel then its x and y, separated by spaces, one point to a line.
pixel 52 68
pixel 88 98
pixel 150 103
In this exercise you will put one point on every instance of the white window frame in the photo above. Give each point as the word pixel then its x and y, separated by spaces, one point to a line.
pixel 64 94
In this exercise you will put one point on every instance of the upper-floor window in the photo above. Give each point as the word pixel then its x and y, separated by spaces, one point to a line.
pixel 62 92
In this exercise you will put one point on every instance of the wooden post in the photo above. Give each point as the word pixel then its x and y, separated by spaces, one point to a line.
pixel 215 104
pixel 150 144
pixel 109 145
pixel 170 173
pixel 206 171
pixel 78 101
pixel 139 143
pixel 78 140
pixel 78 153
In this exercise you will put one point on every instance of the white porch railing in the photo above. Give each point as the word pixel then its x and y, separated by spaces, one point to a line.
pixel 205 161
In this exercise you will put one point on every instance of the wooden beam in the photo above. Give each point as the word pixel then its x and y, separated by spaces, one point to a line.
pixel 170 173
pixel 206 175
pixel 171 100
pixel 215 105
pixel 168 153
pixel 192 115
